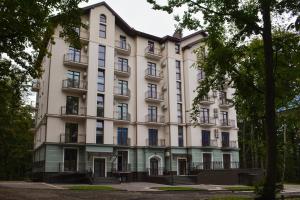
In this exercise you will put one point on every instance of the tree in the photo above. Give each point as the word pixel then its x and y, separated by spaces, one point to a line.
pixel 231 23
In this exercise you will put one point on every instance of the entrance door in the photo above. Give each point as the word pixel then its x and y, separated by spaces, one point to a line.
pixel 70 160
pixel 153 167
pixel 226 161
pixel 181 166
pixel 206 161
pixel 99 167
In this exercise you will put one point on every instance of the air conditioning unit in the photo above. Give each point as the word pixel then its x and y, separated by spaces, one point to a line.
pixel 216 132
pixel 84 97
pixel 215 113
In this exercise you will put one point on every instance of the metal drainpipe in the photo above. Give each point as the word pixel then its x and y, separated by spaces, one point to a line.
pixel 136 128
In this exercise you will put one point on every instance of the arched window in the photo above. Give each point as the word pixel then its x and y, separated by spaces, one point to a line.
pixel 102 26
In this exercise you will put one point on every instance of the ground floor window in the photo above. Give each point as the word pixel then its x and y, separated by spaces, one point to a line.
pixel 70 160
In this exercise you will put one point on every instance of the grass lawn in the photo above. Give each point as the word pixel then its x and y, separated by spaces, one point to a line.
pixel 240 188
pixel 178 189
pixel 92 187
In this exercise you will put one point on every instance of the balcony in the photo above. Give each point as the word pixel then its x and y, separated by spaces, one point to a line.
pixel 122 141
pixel 229 144
pixel 155 119
pixel 214 165
pixel 73 113
pixel 209 143
pixel 121 93
pixel 122 117
pixel 159 143
pixel 74 60
pixel 123 48
pixel 76 86
pixel 35 86
pixel 122 71
pixel 153 97
pixel 72 138
pixel 227 124
pixel 207 100
pixel 153 75
pixel 225 103
pixel 207 121
pixel 153 53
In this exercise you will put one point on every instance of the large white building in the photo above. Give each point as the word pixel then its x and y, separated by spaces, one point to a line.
pixel 120 105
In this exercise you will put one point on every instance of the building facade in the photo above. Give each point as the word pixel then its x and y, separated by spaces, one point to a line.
pixel 120 105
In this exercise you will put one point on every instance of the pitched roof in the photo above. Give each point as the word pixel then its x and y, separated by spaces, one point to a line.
pixel 132 32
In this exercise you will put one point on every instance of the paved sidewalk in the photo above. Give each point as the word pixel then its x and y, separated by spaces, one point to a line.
pixel 28 185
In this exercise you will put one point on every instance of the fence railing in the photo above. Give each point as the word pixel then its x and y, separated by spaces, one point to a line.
pixel 122 45
pixel 154 95
pixel 125 116
pixel 156 171
pixel 156 143
pixel 72 138
pixel 65 110
pixel 207 120
pixel 153 51
pixel 124 167
pixel 153 73
pixel 155 118
pixel 214 165
pixel 72 83
pixel 209 143
pixel 76 58
pixel 227 123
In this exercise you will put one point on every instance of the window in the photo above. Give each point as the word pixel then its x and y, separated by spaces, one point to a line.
pixel 100 105
pixel 178 70
pixel 99 132
pixel 225 139
pixel 179 112
pixel 180 136
pixel 224 118
pixel 72 105
pixel 178 88
pixel 177 48
pixel 205 138
pixel 152 135
pixel 151 70
pixel 204 115
pixel 152 91
pixel 71 133
pixel 122 87
pixel 73 79
pixel 152 114
pixel 70 160
pixel 122 136
pixel 123 64
pixel 102 26
pixel 101 80
pixel 73 54
pixel 150 46
pixel 200 74
pixel 123 44
pixel 122 111
pixel 101 56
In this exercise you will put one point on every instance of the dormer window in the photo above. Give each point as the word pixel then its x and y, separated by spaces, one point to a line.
pixel 177 48
pixel 102 26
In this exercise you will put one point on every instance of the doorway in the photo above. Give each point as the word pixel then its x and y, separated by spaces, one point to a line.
pixel 182 166
pixel 99 167
pixel 207 161
pixel 226 161
pixel 153 167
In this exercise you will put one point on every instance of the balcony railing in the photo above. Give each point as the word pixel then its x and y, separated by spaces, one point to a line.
pixel 206 100
pixel 125 167
pixel 73 112
pixel 155 118
pixel 209 143
pixel 158 143
pixel 153 53
pixel 122 141
pixel 76 60
pixel 207 121
pixel 123 47
pixel 229 144
pixel 225 103
pixel 122 116
pixel 71 166
pixel 215 165
pixel 122 93
pixel 122 70
pixel 72 138
pixel 154 97
pixel 227 123
pixel 35 86
pixel 155 75
pixel 74 85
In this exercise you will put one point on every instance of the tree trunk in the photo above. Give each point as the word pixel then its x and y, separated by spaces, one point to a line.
pixel 271 168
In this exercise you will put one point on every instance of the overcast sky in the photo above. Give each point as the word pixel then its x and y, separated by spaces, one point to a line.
pixel 139 15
